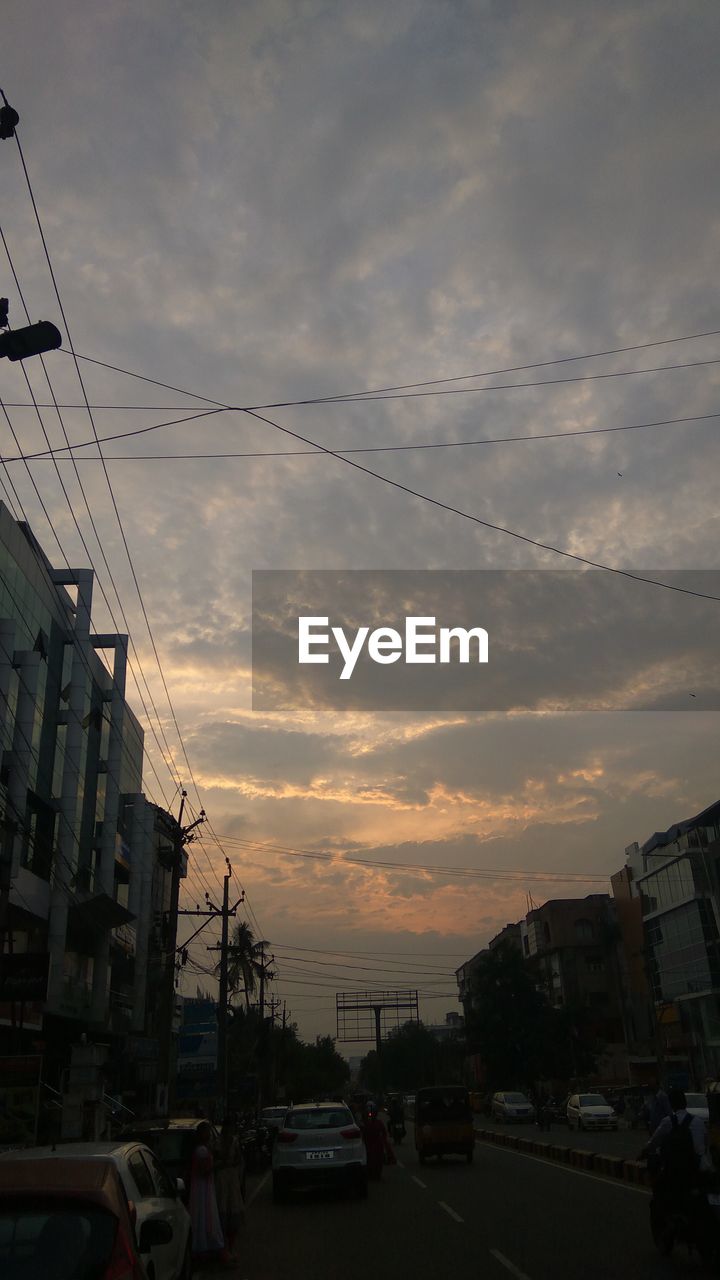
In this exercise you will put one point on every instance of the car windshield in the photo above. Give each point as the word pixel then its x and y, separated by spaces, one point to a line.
pixel 592 1100
pixel 318 1119
pixel 67 1240
pixel 515 1097
pixel 696 1100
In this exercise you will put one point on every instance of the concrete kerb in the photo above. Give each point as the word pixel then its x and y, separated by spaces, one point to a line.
pixel 615 1168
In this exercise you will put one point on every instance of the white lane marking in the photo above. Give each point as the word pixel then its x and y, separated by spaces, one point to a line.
pixel 256 1190
pixel 509 1266
pixel 452 1212
pixel 580 1173
pixel 420 1184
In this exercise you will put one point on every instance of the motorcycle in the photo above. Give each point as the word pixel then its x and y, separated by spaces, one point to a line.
pixel 255 1145
pixel 397 1130
pixel 694 1222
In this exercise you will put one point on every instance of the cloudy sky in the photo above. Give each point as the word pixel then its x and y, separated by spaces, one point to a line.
pixel 286 200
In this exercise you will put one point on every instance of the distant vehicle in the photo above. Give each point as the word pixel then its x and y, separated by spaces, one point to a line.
pixel 590 1111
pixel 444 1123
pixel 273 1118
pixel 697 1105
pixel 77 1241
pixel 511 1106
pixel 319 1142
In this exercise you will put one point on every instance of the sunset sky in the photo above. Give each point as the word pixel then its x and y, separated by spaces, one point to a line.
pixel 285 200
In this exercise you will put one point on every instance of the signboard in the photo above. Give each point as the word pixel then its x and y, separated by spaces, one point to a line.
pixel 372 1015
pixel 24 976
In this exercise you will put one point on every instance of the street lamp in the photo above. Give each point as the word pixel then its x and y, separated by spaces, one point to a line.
pixel 33 340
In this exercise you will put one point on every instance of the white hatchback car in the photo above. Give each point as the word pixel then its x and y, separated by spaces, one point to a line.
pixel 590 1111
pixel 319 1142
pixel 512 1106
pixel 150 1190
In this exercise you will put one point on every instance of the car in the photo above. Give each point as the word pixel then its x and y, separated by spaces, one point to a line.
pixel 697 1105
pixel 162 1223
pixel 319 1142
pixel 273 1118
pixel 512 1106
pixel 590 1111
pixel 69 1219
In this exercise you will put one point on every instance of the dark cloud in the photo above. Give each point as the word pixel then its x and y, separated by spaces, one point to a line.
pixel 279 200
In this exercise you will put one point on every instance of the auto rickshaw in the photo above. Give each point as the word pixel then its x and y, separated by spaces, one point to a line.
pixel 444 1122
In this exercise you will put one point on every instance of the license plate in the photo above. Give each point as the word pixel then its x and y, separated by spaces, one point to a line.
pixel 319 1155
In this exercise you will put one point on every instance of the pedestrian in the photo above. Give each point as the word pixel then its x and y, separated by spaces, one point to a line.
pixel 660 1108
pixel 228 1183
pixel 377 1143
pixel 207 1235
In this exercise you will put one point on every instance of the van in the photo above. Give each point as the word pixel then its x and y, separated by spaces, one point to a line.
pixel 444 1122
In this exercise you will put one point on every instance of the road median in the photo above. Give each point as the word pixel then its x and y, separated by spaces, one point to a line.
pixel 614 1168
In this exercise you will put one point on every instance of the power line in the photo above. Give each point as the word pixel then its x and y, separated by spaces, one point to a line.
pixel 376 391
pixel 45 454
pixel 486 524
pixel 105 470
pixel 470 872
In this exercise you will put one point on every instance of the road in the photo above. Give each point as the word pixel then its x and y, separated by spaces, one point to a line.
pixel 508 1215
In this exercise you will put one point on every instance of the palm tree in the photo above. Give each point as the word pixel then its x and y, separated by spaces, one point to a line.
pixel 245 961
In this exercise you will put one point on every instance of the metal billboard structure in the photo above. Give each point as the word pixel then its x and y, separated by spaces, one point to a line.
pixel 372 1015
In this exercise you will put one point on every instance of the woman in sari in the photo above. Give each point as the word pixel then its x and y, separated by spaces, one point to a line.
pixel 207 1235
pixel 377 1144
pixel 228 1183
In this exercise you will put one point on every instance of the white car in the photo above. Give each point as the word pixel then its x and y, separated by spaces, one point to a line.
pixel 152 1194
pixel 697 1105
pixel 319 1142
pixel 590 1111
pixel 512 1106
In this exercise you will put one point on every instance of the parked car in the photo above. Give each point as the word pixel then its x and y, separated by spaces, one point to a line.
pixel 590 1111
pixel 319 1142
pixel 512 1106
pixel 697 1105
pixel 131 1186
pixel 67 1219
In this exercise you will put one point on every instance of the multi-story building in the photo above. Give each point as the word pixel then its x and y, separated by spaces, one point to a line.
pixel 85 860
pixel 675 876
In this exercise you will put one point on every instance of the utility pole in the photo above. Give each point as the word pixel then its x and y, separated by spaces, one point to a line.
pixel 224 948
pixel 183 836
pixel 223 996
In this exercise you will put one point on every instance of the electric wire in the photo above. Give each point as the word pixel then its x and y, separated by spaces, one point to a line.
pixel 486 524
pixel 106 473
pixel 46 454
pixel 374 392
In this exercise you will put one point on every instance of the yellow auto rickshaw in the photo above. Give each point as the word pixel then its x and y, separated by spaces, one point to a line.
pixel 444 1122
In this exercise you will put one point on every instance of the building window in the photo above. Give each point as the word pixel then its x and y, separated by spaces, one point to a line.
pixel 583 930
pixel 594 964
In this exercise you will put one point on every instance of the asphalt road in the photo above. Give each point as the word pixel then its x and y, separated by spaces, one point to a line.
pixel 507 1215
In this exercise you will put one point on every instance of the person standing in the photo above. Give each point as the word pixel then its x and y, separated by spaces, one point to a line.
pixel 375 1137
pixel 228 1183
pixel 207 1234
